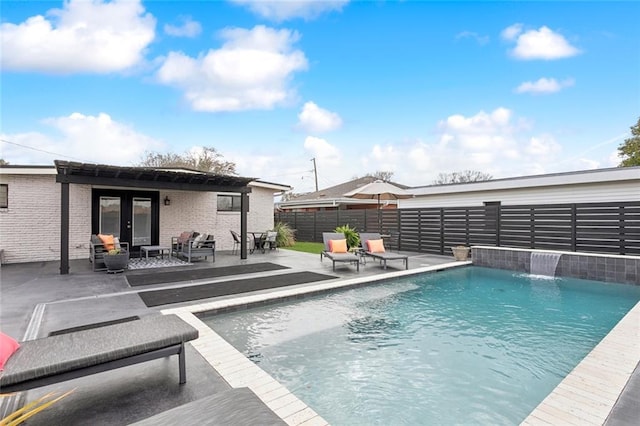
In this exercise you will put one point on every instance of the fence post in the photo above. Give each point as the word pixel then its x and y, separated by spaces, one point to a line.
pixel 498 225
pixel 466 226
pixel 442 231
pixel 532 227
pixel 574 227
pixel 621 234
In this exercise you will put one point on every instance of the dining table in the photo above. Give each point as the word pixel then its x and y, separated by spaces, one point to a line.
pixel 258 240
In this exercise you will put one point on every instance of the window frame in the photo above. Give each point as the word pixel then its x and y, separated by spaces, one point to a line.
pixel 4 196
pixel 236 200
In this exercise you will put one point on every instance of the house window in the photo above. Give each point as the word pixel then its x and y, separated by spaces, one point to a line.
pixel 229 203
pixel 4 196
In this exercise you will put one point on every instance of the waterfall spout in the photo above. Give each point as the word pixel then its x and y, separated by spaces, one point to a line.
pixel 544 263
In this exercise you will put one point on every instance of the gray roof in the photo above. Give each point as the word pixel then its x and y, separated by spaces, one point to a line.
pixel 148 177
pixel 338 191
pixel 334 195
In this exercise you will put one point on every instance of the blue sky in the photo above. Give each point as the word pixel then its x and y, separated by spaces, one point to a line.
pixel 417 88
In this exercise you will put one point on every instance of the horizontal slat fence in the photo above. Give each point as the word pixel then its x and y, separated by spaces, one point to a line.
pixel 612 228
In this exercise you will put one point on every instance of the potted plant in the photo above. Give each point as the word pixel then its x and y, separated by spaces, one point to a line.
pixel 116 260
pixel 461 252
pixel 352 236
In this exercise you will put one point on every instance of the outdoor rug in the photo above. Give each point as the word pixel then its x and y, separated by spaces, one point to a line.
pixel 155 262
pixel 195 292
pixel 200 274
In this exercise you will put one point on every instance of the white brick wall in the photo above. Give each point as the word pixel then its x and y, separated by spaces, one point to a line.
pixel 30 227
pixel 197 211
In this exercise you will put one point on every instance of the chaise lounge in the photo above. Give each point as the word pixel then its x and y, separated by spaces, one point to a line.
pixel 373 246
pixel 67 356
pixel 338 254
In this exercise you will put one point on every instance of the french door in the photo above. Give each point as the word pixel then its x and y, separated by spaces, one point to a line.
pixel 132 216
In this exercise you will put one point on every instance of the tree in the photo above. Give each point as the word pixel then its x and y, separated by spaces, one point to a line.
pixel 629 150
pixel 462 177
pixel 3 162
pixel 378 175
pixel 206 160
pixel 384 176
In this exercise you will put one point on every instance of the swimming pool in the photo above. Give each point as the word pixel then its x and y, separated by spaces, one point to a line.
pixel 469 345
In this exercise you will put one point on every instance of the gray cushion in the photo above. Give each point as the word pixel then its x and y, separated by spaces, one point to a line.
pixel 53 355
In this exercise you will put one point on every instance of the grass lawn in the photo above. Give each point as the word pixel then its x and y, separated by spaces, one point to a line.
pixel 315 248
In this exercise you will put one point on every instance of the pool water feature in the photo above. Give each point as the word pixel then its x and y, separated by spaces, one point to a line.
pixel 470 345
pixel 544 263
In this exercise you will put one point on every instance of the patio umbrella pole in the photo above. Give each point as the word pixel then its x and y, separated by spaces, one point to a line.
pixel 379 220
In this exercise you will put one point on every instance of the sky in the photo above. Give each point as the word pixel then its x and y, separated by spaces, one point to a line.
pixel 416 88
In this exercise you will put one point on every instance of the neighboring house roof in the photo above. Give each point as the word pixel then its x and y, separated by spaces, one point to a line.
pixel 620 184
pixel 614 174
pixel 333 196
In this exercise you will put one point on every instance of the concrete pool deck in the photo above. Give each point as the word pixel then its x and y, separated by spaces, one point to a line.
pixel 36 300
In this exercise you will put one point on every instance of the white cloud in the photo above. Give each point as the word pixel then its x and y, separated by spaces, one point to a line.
pixel 494 142
pixel 86 138
pixel 252 70
pixel 323 151
pixel 543 146
pixel 96 37
pixel 511 32
pixel 588 164
pixel 189 28
pixel 480 39
pixel 544 86
pixel 314 119
pixel 538 44
pixel 279 10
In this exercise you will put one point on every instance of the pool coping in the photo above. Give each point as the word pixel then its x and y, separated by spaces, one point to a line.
pixel 586 395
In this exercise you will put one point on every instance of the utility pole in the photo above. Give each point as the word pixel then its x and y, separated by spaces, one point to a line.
pixel 315 172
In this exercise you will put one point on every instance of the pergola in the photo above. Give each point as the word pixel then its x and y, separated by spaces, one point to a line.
pixel 148 178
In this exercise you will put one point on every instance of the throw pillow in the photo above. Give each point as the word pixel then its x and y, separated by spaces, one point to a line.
pixel 107 240
pixel 207 242
pixel 184 237
pixel 7 347
pixel 338 246
pixel 375 246
pixel 197 241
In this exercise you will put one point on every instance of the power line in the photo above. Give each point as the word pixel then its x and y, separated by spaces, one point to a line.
pixel 40 150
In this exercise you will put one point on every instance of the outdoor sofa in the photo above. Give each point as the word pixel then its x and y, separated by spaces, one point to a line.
pixel 379 252
pixel 67 356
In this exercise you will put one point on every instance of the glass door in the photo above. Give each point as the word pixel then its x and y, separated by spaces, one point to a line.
pixel 141 214
pixel 109 216
pixel 132 216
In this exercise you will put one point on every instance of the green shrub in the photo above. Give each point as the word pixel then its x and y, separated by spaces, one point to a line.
pixel 351 234
pixel 285 236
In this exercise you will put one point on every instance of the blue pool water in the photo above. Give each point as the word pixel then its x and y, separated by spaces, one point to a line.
pixel 463 346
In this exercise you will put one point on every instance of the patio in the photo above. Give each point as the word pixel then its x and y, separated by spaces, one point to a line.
pixel 37 300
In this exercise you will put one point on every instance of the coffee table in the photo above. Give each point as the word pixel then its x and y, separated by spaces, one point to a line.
pixel 159 249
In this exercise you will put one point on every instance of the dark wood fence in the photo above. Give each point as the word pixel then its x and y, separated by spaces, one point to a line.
pixel 612 228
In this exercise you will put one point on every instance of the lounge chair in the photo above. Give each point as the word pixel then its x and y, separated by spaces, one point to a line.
pixel 347 257
pixel 67 356
pixel 379 252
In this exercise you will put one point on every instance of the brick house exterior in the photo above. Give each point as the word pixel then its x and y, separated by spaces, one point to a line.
pixel 30 219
